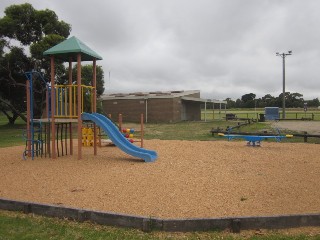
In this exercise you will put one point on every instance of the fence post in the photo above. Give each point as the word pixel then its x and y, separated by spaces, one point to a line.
pixel 120 122
pixel 142 129
pixel 305 137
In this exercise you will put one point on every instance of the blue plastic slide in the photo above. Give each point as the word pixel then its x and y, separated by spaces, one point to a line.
pixel 118 139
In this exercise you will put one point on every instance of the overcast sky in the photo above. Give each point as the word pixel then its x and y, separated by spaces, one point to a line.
pixel 224 48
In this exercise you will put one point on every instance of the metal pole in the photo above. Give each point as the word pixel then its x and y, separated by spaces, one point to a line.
pixel 146 100
pixel 29 94
pixel 284 86
pixel 283 55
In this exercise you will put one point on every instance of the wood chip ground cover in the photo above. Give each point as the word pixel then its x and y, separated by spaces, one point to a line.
pixel 190 179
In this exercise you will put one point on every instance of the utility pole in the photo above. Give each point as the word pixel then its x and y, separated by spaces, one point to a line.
pixel 283 55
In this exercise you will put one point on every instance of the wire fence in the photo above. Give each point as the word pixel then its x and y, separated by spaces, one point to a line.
pixel 210 115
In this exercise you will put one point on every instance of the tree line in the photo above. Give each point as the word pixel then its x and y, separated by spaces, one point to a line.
pixel 292 100
pixel 25 33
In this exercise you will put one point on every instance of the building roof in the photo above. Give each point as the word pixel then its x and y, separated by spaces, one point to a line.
pixel 70 48
pixel 147 95
pixel 185 96
pixel 193 99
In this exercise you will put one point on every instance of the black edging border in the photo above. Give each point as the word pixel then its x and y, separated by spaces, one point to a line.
pixel 147 224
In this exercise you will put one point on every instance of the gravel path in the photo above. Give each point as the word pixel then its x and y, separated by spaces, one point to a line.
pixel 312 127
pixel 190 179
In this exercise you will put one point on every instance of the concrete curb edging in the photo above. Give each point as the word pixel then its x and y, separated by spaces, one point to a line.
pixel 235 224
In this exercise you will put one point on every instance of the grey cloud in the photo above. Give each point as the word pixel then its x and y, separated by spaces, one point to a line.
pixel 223 48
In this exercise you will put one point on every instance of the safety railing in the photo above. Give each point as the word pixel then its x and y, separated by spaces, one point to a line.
pixel 66 100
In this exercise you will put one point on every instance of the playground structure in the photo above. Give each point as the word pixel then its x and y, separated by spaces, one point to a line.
pixel 38 130
pixel 253 140
pixel 129 132
pixel 88 135
pixel 67 105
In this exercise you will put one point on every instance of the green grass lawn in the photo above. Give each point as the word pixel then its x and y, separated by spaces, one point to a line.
pixel 14 225
pixel 182 130
pixel 11 135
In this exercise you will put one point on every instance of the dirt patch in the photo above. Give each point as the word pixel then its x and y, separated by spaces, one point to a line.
pixel 299 126
pixel 190 179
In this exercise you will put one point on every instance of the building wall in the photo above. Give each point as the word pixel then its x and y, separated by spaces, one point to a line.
pixel 176 110
pixel 130 109
pixel 193 111
pixel 158 109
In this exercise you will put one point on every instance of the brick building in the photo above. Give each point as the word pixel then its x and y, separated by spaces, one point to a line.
pixel 172 106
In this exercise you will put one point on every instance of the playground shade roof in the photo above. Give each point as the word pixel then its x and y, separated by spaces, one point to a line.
pixel 70 48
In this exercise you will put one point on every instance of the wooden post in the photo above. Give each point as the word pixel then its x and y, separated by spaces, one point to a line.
pixel 120 122
pixel 70 105
pixel 305 138
pixel 70 136
pixel 48 138
pixel 79 106
pixel 53 104
pixel 212 109
pixel 47 126
pixel 142 130
pixel 47 104
pixel 94 84
pixel 99 137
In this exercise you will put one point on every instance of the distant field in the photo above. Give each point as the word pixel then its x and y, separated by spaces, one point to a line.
pixel 254 113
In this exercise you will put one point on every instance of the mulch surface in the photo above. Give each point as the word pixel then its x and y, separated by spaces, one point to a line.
pixel 190 179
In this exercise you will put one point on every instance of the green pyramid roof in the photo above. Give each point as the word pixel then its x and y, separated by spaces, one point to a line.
pixel 70 48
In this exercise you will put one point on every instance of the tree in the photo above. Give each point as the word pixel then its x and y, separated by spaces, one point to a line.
pixel 87 76
pixel 41 62
pixel 295 100
pixel 248 97
pixel 248 100
pixel 12 84
pixel 292 100
pixel 27 25
pixel 314 102
pixel 268 101
pixel 230 103
pixel 239 103
pixel 36 31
